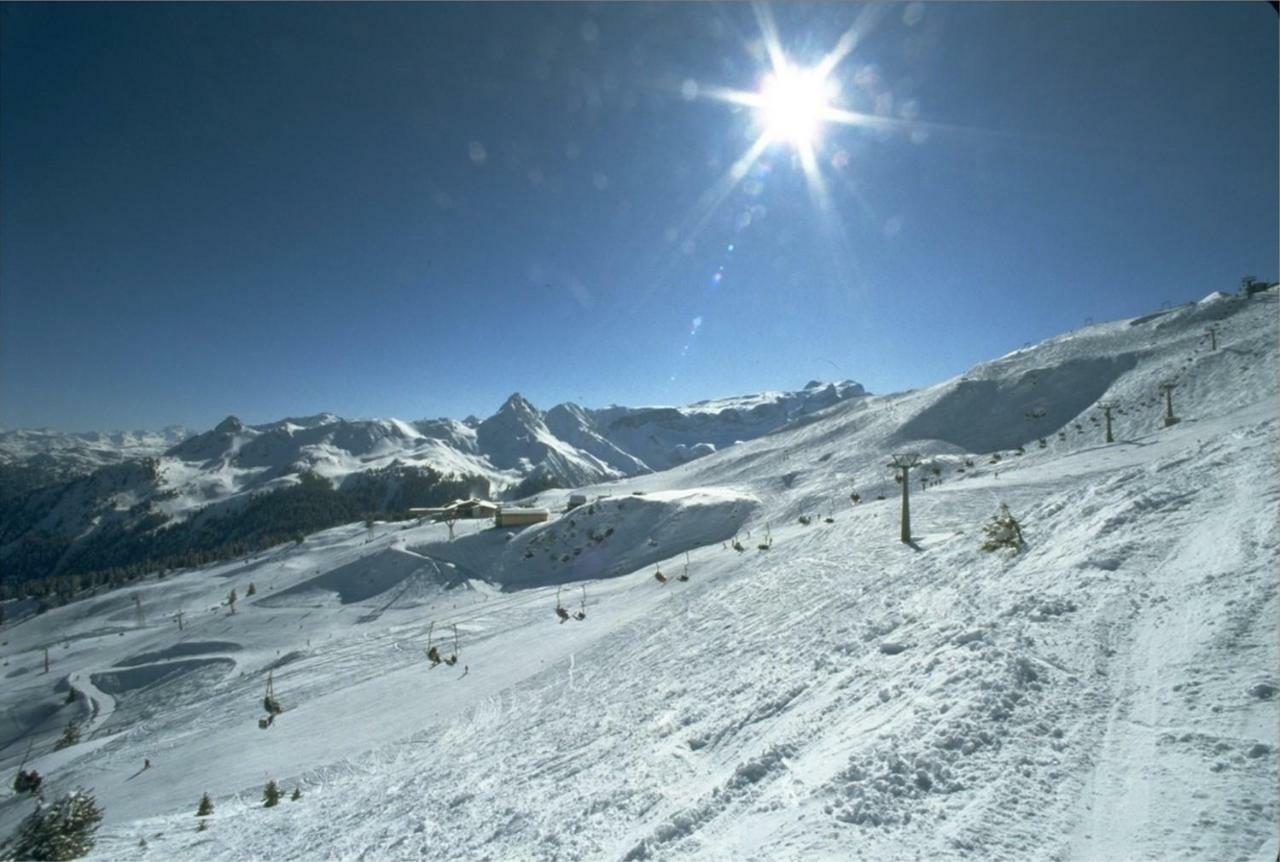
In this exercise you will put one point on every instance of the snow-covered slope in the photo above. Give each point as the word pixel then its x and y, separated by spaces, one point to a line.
pixel 1109 693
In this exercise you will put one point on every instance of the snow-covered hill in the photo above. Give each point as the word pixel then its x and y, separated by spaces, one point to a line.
pixel 1109 693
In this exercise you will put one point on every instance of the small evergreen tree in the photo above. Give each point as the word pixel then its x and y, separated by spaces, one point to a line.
pixel 1003 531
pixel 271 795
pixel 206 806
pixel 252 591
pixel 232 599
pixel 297 794
pixel 61 831
pixel 70 735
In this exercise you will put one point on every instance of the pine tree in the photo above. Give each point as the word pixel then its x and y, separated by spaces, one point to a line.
pixel 206 806
pixel 232 599
pixel 252 591
pixel 1003 531
pixel 271 795
pixel 297 794
pixel 60 831
pixel 70 735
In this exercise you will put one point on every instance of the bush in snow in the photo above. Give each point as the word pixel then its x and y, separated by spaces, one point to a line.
pixel 271 794
pixel 70 735
pixel 206 806
pixel 1003 531
pixel 62 830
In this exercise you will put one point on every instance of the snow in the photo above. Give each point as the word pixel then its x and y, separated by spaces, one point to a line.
pixel 87 449
pixel 1108 693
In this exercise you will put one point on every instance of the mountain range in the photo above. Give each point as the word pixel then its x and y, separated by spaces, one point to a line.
pixel 87 502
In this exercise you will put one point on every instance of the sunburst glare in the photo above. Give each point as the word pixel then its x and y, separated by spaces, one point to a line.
pixel 794 103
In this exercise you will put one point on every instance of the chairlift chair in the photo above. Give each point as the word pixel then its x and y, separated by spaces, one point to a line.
pixel 269 702
pixel 581 613
pixel 560 609
pixel 684 576
pixel 433 652
pixel 659 577
pixel 453 659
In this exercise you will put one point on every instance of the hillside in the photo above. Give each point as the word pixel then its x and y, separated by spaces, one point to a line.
pixel 1110 692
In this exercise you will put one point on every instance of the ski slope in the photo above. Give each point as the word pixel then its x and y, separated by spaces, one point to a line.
pixel 1110 693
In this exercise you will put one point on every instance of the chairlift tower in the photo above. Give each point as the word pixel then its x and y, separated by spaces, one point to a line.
pixel 1106 407
pixel 904 461
pixel 1166 389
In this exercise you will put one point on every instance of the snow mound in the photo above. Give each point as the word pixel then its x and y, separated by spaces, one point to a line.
pixel 604 539
pixel 989 415
pixel 357 581
pixel 116 682
pixel 179 649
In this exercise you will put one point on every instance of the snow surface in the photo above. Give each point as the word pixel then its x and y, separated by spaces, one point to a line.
pixel 1111 692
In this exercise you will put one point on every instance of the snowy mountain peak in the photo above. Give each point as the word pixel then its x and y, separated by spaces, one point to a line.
pixel 519 405
pixel 311 421
pixel 230 425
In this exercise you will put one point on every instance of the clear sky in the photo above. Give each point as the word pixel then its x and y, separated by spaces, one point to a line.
pixel 414 210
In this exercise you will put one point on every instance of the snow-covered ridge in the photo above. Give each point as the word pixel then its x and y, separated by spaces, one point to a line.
pixel 87 449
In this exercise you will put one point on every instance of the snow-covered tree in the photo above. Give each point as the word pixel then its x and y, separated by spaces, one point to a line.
pixel 206 806
pixel 1003 531
pixel 70 735
pixel 59 831
pixel 271 794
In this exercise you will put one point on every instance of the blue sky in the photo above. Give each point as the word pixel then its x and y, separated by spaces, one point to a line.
pixel 413 210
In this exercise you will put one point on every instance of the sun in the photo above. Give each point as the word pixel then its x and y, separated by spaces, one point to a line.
pixel 792 105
